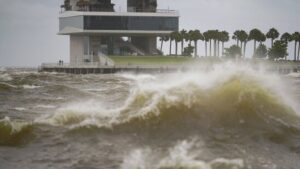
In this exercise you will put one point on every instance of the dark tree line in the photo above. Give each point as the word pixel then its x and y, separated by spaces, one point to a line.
pixel 214 43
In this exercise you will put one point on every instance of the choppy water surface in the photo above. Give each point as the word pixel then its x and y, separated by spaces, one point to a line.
pixel 231 117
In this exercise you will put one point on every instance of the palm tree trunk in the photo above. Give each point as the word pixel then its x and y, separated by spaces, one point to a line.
pixel 295 50
pixel 242 48
pixel 222 48
pixel 254 48
pixel 210 48
pixel 298 51
pixel 272 42
pixel 196 48
pixel 218 48
pixel 215 46
pixel 245 44
pixel 176 48
pixel 182 46
pixel 170 48
pixel 205 48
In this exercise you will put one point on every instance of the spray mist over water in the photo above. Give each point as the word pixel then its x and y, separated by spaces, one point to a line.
pixel 183 155
pixel 227 88
pixel 229 116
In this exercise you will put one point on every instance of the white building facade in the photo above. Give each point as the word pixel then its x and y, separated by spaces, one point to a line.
pixel 95 30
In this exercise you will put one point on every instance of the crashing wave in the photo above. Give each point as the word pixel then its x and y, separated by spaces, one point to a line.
pixel 6 87
pixel 14 132
pixel 227 95
pixel 5 77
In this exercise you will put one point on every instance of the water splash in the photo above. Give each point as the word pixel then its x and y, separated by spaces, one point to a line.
pixel 14 132
pixel 5 77
pixel 229 92
pixel 180 156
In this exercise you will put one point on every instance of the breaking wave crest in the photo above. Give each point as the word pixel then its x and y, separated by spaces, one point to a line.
pixel 229 95
pixel 14 132
pixel 181 156
pixel 4 77
pixel 6 87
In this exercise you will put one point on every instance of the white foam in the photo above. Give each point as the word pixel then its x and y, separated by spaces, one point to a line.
pixel 15 126
pixel 30 87
pixel 95 90
pixel 20 108
pixel 45 106
pixel 59 98
pixel 5 77
pixel 139 77
pixel 182 155
pixel 294 75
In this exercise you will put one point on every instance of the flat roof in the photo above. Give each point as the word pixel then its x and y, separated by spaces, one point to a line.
pixel 150 14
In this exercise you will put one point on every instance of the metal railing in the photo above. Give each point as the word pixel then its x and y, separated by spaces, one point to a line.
pixel 163 11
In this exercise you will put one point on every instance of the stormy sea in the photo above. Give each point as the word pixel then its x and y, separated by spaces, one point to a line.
pixel 228 117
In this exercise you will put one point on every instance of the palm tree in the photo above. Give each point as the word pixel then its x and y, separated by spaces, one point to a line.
pixel 295 38
pixel 209 36
pixel 184 36
pixel 171 38
pixel 178 38
pixel 243 37
pixel 286 37
pixel 219 36
pixel 272 34
pixel 163 39
pixel 206 39
pixel 262 38
pixel 235 36
pixel 224 38
pixel 196 36
pixel 255 36
pixel 189 37
pixel 214 35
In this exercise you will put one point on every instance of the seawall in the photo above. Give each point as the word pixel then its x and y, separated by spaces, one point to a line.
pixel 280 67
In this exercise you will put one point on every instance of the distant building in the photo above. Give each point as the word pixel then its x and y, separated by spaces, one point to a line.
pixel 96 30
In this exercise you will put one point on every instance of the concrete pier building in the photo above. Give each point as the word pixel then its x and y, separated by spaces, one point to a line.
pixel 97 30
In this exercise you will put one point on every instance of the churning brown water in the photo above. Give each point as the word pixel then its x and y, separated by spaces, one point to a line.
pixel 231 117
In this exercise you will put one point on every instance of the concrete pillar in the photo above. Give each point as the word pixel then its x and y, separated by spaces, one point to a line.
pixel 76 49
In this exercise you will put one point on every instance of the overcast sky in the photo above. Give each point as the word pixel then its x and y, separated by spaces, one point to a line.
pixel 28 28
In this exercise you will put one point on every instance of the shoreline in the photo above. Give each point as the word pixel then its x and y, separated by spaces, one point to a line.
pixel 281 67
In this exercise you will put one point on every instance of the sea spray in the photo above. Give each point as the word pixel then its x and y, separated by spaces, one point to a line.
pixel 182 155
pixel 229 93
pixel 237 113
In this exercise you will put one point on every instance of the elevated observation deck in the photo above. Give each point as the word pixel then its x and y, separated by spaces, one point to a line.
pixel 123 23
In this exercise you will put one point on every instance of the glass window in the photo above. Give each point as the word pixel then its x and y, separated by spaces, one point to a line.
pixel 131 23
